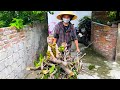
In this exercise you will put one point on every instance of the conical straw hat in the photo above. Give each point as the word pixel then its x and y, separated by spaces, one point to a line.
pixel 68 13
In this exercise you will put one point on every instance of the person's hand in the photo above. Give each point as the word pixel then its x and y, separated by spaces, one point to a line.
pixel 78 50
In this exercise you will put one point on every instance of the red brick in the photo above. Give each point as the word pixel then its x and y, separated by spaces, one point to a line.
pixel 16 34
pixel 7 45
pixel 1 29
pixel 14 31
pixel 22 32
pixel 6 32
pixel 1 43
pixel 103 40
pixel 15 40
pixel 6 41
pixel 6 29
pixel 12 36
pixel 23 38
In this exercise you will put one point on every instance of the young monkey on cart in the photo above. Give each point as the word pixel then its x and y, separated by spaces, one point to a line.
pixel 53 52
pixel 53 55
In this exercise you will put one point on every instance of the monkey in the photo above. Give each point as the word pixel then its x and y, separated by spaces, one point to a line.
pixel 53 52
pixel 52 47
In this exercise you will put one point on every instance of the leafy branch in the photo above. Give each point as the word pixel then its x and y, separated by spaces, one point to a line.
pixel 13 18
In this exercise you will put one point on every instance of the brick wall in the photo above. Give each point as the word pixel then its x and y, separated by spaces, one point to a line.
pixel 104 38
pixel 19 49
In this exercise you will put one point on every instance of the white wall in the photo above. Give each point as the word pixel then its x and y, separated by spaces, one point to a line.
pixel 52 20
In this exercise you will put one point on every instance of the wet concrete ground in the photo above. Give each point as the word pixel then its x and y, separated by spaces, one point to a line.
pixel 104 69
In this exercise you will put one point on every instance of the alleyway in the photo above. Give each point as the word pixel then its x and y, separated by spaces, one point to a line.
pixel 103 69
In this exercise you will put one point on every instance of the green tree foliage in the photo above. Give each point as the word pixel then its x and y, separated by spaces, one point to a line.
pixel 37 63
pixel 7 18
pixel 18 23
pixel 112 15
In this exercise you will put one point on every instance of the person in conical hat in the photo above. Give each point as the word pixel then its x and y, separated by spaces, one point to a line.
pixel 64 31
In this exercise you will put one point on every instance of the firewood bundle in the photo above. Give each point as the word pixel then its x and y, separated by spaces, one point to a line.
pixel 59 68
pixel 58 63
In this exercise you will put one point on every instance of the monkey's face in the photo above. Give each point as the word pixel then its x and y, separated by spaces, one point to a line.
pixel 49 40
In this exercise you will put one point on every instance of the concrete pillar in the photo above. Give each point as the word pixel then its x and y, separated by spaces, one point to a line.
pixel 118 45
